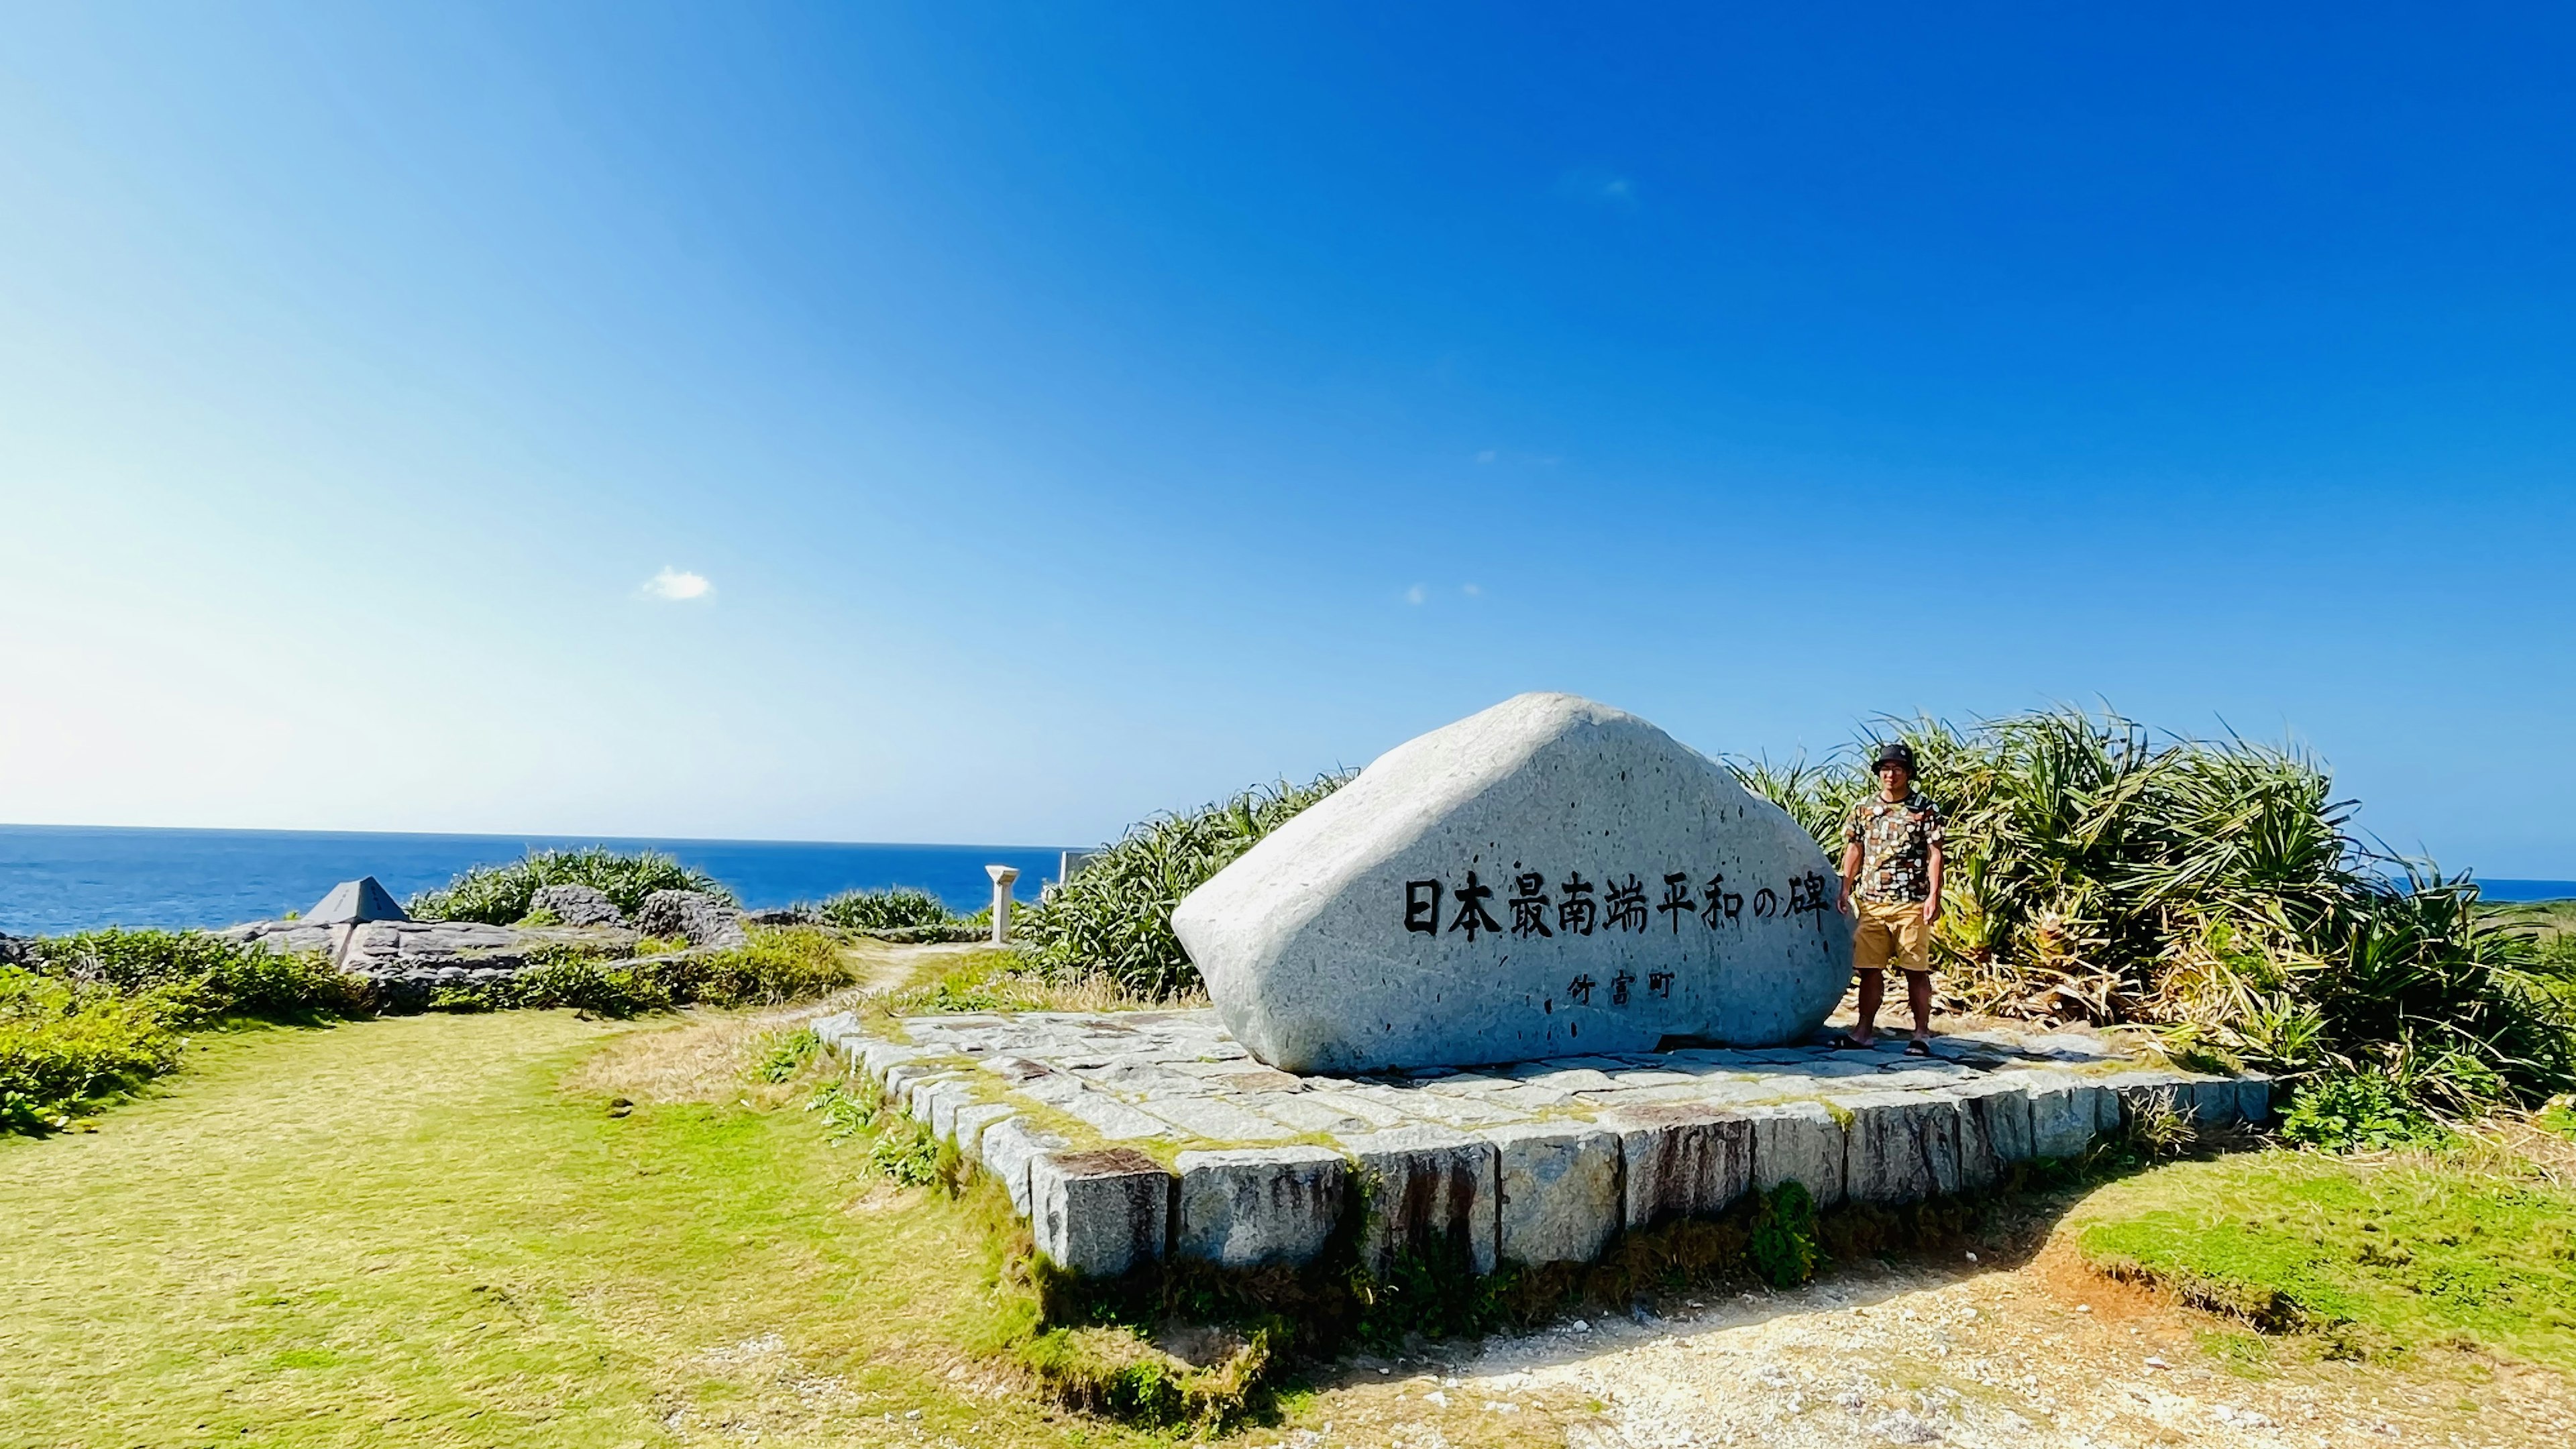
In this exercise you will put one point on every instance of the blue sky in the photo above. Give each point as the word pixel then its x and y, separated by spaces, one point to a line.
pixel 1076 411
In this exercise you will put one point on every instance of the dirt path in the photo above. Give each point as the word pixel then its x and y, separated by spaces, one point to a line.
pixel 2044 1353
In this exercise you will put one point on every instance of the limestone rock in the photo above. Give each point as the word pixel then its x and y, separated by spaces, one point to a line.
pixel 1798 1142
pixel 1904 1146
pixel 1430 1189
pixel 2254 1099
pixel 1008 1147
pixel 1558 1186
pixel 1547 878
pixel 1246 1207
pixel 695 916
pixel 1994 1128
pixel 2066 1112
pixel 1100 1213
pixel 577 905
pixel 1681 1161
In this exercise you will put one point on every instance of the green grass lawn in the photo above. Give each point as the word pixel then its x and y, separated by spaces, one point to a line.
pixel 2366 1256
pixel 403 1232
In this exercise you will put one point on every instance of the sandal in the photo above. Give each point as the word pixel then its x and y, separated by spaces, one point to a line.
pixel 1918 1048
pixel 1849 1043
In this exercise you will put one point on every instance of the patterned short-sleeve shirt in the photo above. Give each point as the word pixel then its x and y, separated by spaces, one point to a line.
pixel 1896 838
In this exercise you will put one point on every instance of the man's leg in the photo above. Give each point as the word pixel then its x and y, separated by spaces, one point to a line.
pixel 1873 989
pixel 1872 944
pixel 1914 953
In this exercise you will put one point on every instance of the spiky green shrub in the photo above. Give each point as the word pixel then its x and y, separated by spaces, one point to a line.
pixel 900 908
pixel 499 895
pixel 2212 888
pixel 1115 916
pixel 202 976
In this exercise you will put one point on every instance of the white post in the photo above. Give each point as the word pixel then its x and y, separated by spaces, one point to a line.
pixel 1002 876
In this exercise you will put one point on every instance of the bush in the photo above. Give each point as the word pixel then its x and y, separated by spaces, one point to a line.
pixel 2357 1112
pixel 778 966
pixel 62 1041
pixel 1115 916
pixel 499 895
pixel 200 976
pixel 1783 1246
pixel 795 963
pixel 887 910
pixel 2214 889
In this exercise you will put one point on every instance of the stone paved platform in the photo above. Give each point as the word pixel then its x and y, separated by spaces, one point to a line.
pixel 1128 1137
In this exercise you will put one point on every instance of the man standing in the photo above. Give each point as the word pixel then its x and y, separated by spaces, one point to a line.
pixel 1892 853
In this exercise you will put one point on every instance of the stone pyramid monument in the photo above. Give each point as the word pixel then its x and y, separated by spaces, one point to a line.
pixel 1549 878
pixel 353 901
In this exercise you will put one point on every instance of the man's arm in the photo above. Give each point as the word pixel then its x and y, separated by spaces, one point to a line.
pixel 1932 902
pixel 1851 873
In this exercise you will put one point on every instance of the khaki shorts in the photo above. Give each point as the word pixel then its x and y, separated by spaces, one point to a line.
pixel 1891 932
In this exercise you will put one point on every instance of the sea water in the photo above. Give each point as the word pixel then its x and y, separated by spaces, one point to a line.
pixel 56 878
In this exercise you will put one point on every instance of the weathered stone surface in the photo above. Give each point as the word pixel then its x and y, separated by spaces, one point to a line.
pixel 1430 1190
pixel 352 901
pixel 399 953
pixel 1558 1186
pixel 1994 1128
pixel 2254 1099
pixel 1378 928
pixel 2065 1112
pixel 1246 1207
pixel 967 1126
pixel 2140 1092
pixel 1219 1120
pixel 2211 1102
pixel 1681 1160
pixel 946 1099
pixel 1100 1213
pixel 1798 1142
pixel 695 916
pixel 1009 1146
pixel 577 905
pixel 1904 1147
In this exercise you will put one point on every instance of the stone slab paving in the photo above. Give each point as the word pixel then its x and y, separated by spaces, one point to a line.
pixel 1127 1137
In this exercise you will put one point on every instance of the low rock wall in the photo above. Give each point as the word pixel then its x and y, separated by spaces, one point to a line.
pixel 1128 1138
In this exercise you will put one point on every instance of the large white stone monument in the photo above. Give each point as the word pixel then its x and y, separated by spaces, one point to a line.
pixel 1548 878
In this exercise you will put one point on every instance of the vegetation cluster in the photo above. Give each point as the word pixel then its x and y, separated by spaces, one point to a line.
pixel 1114 918
pixel 102 1012
pixel 500 895
pixel 2216 891
pixel 774 967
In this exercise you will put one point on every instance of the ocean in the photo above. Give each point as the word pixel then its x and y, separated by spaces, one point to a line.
pixel 57 878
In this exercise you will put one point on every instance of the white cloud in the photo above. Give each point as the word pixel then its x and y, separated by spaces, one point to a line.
pixel 1416 594
pixel 1486 456
pixel 1470 590
pixel 678 585
pixel 1607 188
